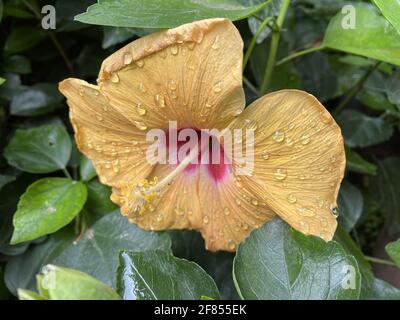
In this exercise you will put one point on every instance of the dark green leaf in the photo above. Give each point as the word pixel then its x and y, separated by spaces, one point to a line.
pixel 23 38
pixel 86 169
pixel 162 13
pixel 48 205
pixel 98 202
pixel 393 250
pixel 386 189
pixel 95 252
pixel 276 262
pixel 155 275
pixel 17 64
pixel 39 150
pixel 372 36
pixel 350 203
pixel 39 99
pixel 360 130
pixel 375 100
pixel 4 179
pixel 354 162
pixel 116 35
pixel 393 88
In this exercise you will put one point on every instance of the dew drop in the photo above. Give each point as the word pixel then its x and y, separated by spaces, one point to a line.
pixel 278 136
pixel 114 78
pixel 218 87
pixel 191 45
pixel 142 87
pixel 128 58
pixel 254 202
pixel 140 109
pixel 265 155
pixel 81 91
pixel 280 174
pixel 140 63
pixel 140 125
pixel 305 139
pixel 227 211
pixel 326 117
pixel 179 211
pixel 231 245
pixel 172 85
pixel 306 212
pixel 174 49
pixel 291 198
pixel 304 227
pixel 215 45
pixel 238 201
pixel 289 142
pixel 99 116
pixel 206 220
pixel 160 101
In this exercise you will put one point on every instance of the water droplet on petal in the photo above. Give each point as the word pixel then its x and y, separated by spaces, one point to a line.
pixel 304 227
pixel 114 77
pixel 289 142
pixel 174 49
pixel 140 125
pixel 227 211
pixel 140 63
pixel 215 45
pixel 306 212
pixel 206 220
pixel 291 198
pixel 140 109
pixel 305 139
pixel 191 45
pixel 172 85
pixel 179 211
pixel 280 174
pixel 278 136
pixel 254 202
pixel 265 155
pixel 326 117
pixel 160 101
pixel 128 58
pixel 218 87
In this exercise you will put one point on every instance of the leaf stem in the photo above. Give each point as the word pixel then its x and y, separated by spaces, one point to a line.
pixel 299 54
pixel 66 173
pixel 274 47
pixel 53 38
pixel 356 89
pixel 380 261
pixel 253 41
pixel 251 86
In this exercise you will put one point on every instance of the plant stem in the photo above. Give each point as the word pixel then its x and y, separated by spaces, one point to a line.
pixel 253 41
pixel 380 261
pixel 66 173
pixel 299 54
pixel 53 38
pixel 274 47
pixel 251 86
pixel 356 89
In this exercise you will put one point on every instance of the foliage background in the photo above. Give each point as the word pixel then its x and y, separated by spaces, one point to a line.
pixel 54 210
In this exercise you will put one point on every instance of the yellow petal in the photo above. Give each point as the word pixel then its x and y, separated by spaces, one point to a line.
pixel 299 159
pixel 191 74
pixel 105 136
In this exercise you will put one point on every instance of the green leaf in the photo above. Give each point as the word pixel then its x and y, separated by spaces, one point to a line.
pixel 86 169
pixel 17 64
pixel 155 275
pixel 2 80
pixel 393 250
pixel 360 130
pixel 43 149
pixel 95 252
pixel 372 36
pixel 48 205
pixel 386 189
pixel 113 36
pixel 190 246
pixel 39 99
pixel 354 162
pixel 98 202
pixel 392 88
pixel 162 13
pixel 5 179
pixel 23 38
pixel 350 203
pixel 391 11
pixel 272 10
pixel 375 100
pixel 68 284
pixel 28 295
pixel 277 262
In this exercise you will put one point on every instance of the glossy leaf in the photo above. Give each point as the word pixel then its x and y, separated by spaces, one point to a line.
pixel 23 38
pixel 350 204
pixel 392 88
pixel 277 262
pixel 162 13
pixel 68 284
pixel 354 162
pixel 39 150
pixel 94 252
pixel 86 169
pixel 391 11
pixel 98 202
pixel 48 205
pixel 370 36
pixel 39 99
pixel 393 250
pixel 360 130
pixel 155 275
